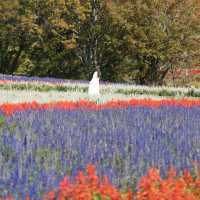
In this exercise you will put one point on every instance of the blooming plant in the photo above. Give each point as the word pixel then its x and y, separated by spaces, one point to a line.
pixel 88 187
pixel 185 187
pixel 38 88
pixel 10 108
pixel 51 140
pixel 49 128
pixel 151 187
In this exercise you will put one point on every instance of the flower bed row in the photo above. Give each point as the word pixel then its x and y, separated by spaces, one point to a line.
pixel 37 79
pixel 82 86
pixel 43 87
pixel 9 108
pixel 39 146
pixel 151 187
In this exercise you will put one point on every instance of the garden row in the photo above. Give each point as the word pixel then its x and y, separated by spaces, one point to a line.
pixel 46 134
pixel 39 146
pixel 151 187
pixel 49 84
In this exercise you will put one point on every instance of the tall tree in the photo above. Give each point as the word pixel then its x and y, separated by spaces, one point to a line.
pixel 15 28
pixel 54 52
pixel 159 34
pixel 94 39
pixel 78 38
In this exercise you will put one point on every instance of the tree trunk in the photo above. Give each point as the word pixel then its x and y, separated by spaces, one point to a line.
pixel 14 64
pixel 95 39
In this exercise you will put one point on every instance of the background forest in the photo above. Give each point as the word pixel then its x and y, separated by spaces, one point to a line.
pixel 136 41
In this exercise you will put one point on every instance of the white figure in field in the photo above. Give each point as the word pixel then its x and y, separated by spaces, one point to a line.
pixel 94 85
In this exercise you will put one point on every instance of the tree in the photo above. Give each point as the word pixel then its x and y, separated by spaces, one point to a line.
pixel 159 35
pixel 138 40
pixel 17 30
pixel 54 51
pixel 77 39
pixel 96 40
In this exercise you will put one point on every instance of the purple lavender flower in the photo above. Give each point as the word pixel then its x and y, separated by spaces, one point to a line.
pixel 43 146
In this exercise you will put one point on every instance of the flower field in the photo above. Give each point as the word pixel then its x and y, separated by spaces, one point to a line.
pixel 50 129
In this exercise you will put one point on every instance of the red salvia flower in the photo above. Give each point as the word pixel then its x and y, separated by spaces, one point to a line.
pixel 187 177
pixel 151 187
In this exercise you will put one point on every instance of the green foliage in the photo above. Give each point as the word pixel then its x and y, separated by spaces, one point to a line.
pixel 157 91
pixel 96 197
pixel 6 151
pixel 159 35
pixel 124 40
pixel 161 92
pixel 4 125
pixel 17 33
pixel 43 88
pixel 2 121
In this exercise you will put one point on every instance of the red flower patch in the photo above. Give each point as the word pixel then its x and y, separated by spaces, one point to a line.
pixel 9 108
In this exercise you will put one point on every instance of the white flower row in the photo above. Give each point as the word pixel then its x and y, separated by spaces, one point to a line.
pixel 17 96
pixel 111 87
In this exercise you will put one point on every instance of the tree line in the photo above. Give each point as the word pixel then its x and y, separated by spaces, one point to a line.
pixel 124 40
